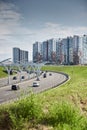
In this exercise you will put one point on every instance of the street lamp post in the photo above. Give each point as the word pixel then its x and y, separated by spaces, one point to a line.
pixel 7 66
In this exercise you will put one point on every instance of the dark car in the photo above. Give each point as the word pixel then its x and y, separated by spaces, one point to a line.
pixel 22 77
pixel 44 75
pixel 50 74
pixel 15 87
pixel 14 78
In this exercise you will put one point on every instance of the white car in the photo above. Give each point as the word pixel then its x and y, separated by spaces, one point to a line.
pixel 35 84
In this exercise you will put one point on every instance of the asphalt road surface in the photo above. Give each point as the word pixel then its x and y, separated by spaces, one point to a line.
pixel 5 82
pixel 6 94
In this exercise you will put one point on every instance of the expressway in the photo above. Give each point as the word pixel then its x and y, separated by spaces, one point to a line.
pixel 53 80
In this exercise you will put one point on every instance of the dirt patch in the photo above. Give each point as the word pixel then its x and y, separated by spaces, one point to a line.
pixel 42 127
pixel 5 121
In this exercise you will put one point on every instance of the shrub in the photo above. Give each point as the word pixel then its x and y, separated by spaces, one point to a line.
pixel 65 116
pixel 6 122
pixel 26 109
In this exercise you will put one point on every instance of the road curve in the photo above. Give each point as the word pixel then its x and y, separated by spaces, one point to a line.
pixel 6 94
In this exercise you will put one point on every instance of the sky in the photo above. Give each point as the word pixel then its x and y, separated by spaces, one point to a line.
pixel 23 22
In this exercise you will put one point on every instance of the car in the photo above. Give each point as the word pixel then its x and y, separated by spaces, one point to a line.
pixel 22 77
pixel 42 72
pixel 14 78
pixel 35 84
pixel 15 87
pixel 44 75
pixel 50 74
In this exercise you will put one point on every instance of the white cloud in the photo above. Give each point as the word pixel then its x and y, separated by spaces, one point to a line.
pixel 13 34
pixel 9 18
pixel 52 30
pixel 10 22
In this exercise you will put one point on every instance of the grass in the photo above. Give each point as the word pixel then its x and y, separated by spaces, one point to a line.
pixel 61 108
pixel 2 72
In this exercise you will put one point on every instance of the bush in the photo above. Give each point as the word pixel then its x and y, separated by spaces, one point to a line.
pixel 14 116
pixel 65 116
pixel 26 109
pixel 6 122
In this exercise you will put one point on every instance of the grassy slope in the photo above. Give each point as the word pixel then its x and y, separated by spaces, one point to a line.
pixel 74 91
pixel 2 73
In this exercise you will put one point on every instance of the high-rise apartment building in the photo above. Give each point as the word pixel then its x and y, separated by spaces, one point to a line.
pixel 82 50
pixel 64 52
pixel 23 56
pixel 58 51
pixel 16 55
pixel 75 49
pixel 70 50
pixel 45 51
pixel 20 56
pixel 52 50
pixel 49 50
pixel 67 51
pixel 37 53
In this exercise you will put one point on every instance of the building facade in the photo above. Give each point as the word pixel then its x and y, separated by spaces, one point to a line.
pixel 37 53
pixel 16 55
pixel 23 56
pixel 20 56
pixel 82 50
pixel 45 51
pixel 66 51
pixel 59 51
pixel 52 50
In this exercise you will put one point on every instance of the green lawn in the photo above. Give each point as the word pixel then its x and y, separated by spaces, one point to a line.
pixel 60 108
